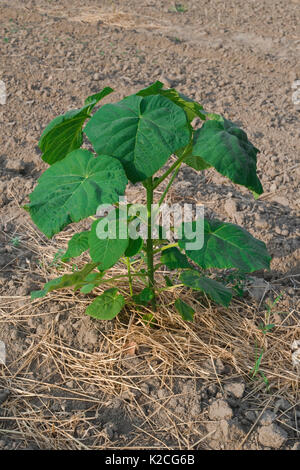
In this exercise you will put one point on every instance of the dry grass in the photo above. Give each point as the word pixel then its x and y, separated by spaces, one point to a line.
pixel 108 15
pixel 51 371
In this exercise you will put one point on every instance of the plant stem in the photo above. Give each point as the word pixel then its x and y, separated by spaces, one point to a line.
pixel 172 167
pixel 169 184
pixel 149 245
pixel 120 276
pixel 129 275
pixel 163 289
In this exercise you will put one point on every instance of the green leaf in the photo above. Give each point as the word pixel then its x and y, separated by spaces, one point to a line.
pixel 169 283
pixel 217 291
pixel 149 320
pixel 94 99
pixel 91 281
pixel 107 251
pixel 93 277
pixel 107 305
pixel 134 247
pixel 78 244
pixel 153 89
pixel 227 148
pixel 266 328
pixel 63 135
pixel 257 364
pixel 57 258
pixel 191 108
pixel 196 162
pixel 191 160
pixel 174 259
pixel 141 132
pixel 227 246
pixel 67 280
pixel 87 288
pixel 185 310
pixel 73 189
pixel 144 297
pixel 214 116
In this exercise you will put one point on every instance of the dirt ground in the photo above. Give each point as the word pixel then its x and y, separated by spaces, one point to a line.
pixel 71 382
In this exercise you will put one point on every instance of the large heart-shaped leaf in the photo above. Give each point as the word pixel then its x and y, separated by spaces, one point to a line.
pixel 191 108
pixel 141 132
pixel 227 246
pixel 227 148
pixel 107 305
pixel 64 133
pixel 73 189
pixel 107 251
pixel 217 291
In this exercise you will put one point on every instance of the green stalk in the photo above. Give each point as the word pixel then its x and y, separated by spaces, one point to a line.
pixel 165 247
pixel 129 275
pixel 149 245
pixel 120 276
pixel 172 167
pixel 169 184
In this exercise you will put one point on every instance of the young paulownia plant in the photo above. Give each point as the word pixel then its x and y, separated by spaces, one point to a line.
pixel 132 140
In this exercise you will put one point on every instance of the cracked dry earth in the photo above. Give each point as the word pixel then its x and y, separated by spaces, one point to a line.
pixel 239 59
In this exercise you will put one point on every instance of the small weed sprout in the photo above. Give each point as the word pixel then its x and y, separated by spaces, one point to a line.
pixel 15 241
pixel 265 328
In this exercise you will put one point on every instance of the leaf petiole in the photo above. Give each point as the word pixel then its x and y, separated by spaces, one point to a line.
pixel 165 247
pixel 172 167
pixel 169 184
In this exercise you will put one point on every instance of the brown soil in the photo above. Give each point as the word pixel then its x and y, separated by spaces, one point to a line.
pixel 71 382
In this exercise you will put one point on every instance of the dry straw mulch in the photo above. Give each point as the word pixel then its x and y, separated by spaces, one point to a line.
pixel 52 370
